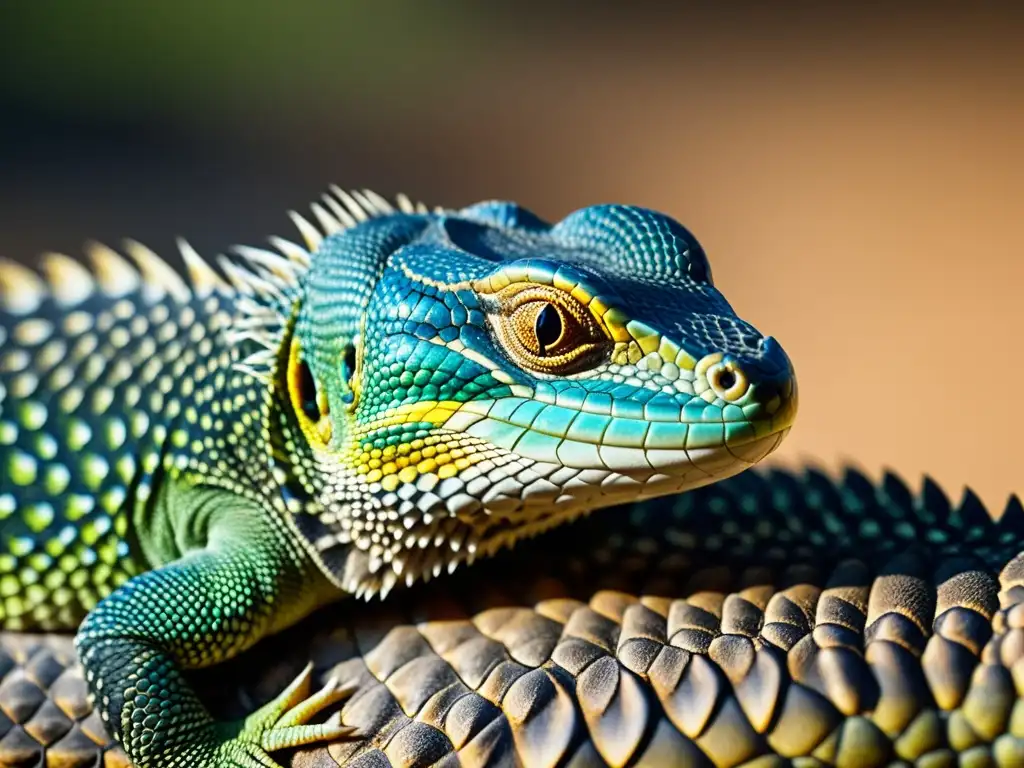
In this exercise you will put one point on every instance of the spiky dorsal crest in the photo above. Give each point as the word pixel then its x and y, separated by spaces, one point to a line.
pixel 262 281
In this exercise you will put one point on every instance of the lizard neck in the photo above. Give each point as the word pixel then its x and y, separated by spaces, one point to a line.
pixel 209 425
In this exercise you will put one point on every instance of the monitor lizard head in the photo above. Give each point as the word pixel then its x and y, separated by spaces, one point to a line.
pixel 457 380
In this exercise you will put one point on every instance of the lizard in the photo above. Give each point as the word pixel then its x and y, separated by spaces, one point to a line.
pixel 191 465
pixel 793 619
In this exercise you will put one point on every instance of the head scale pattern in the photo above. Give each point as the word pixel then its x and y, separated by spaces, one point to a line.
pixel 459 379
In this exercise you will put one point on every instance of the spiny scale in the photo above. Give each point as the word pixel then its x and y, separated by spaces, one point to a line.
pixel 116 355
pixel 67 280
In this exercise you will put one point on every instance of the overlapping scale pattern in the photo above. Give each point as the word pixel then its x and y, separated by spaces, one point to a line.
pixel 773 619
pixel 45 718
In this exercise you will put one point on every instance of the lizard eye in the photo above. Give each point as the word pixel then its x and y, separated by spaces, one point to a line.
pixel 544 329
pixel 304 386
pixel 308 400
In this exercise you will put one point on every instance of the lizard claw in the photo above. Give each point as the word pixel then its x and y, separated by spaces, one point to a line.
pixel 285 721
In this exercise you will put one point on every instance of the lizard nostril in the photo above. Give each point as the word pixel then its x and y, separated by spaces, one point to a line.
pixel 727 381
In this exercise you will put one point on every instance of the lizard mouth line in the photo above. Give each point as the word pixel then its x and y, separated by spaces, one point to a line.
pixel 510 422
pixel 622 433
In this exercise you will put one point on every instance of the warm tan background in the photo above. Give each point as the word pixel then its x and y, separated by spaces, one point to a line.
pixel 856 176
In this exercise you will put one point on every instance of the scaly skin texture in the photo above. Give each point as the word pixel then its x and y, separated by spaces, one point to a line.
pixel 772 619
pixel 193 466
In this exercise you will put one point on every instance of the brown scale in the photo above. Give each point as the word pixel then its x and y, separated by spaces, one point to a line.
pixel 44 709
pixel 861 667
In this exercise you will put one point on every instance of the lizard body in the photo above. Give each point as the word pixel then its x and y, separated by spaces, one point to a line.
pixel 191 466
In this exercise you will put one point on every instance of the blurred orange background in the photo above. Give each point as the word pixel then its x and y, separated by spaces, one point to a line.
pixel 855 175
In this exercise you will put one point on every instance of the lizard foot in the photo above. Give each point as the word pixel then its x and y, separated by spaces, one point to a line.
pixel 283 723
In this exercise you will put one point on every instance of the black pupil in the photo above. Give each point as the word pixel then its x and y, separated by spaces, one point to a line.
pixel 350 362
pixel 548 327
pixel 306 390
pixel 726 379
